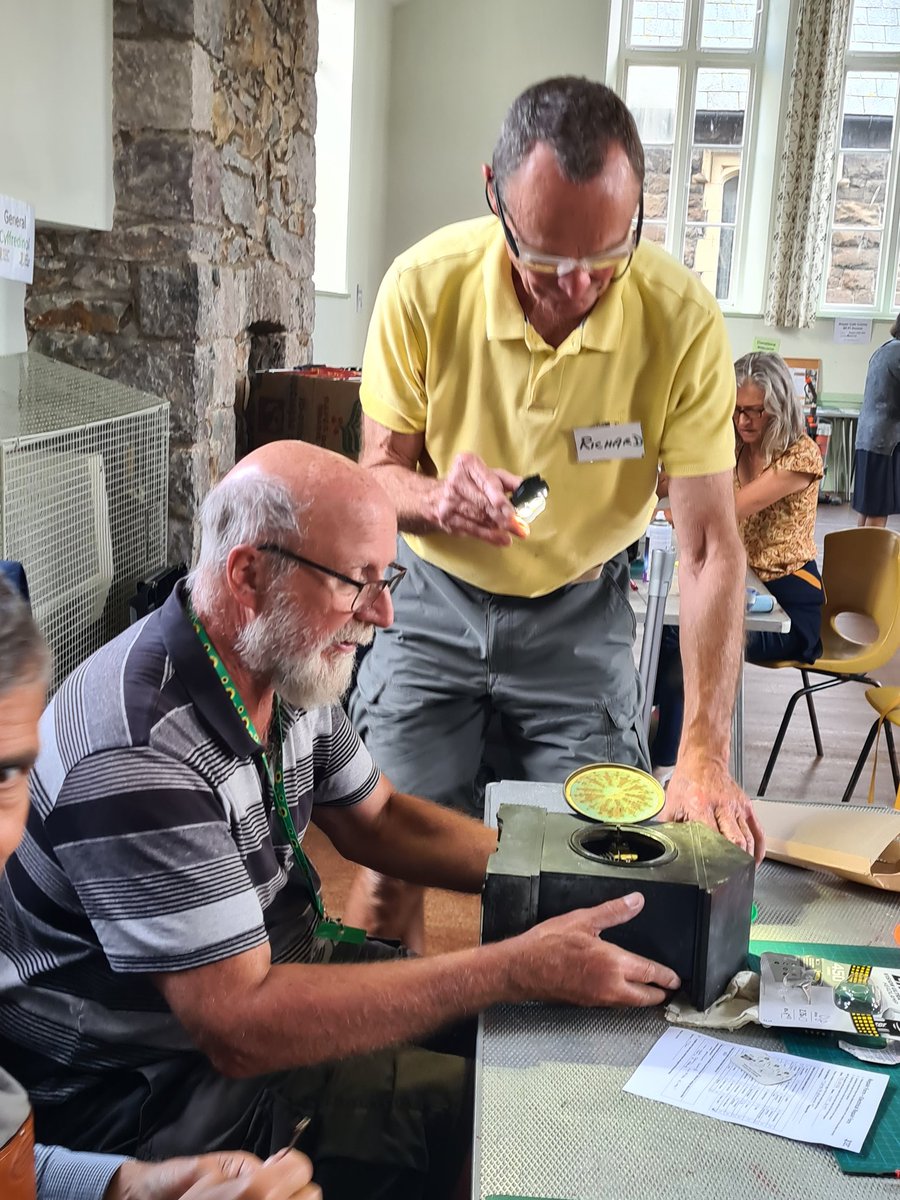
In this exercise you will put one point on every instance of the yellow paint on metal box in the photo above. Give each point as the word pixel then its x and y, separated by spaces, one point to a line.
pixel 615 794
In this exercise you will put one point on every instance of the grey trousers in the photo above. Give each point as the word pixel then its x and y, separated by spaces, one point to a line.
pixel 467 686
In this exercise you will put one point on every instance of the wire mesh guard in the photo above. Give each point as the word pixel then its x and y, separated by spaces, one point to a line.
pixel 83 499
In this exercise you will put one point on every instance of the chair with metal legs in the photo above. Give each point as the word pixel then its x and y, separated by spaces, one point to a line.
pixel 886 702
pixel 860 576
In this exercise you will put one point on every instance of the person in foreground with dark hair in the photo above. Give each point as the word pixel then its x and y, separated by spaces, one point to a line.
pixel 547 338
pixel 50 1172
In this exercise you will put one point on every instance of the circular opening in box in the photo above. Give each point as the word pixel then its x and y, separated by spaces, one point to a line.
pixel 623 846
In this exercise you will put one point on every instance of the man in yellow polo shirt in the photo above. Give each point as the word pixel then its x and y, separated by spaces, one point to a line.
pixel 544 339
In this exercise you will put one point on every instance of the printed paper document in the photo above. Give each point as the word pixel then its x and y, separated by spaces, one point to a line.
pixel 777 1093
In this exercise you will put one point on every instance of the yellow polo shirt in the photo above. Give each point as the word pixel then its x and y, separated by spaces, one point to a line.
pixel 449 353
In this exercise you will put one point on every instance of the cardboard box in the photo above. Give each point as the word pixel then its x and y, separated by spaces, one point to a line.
pixel 312 404
pixel 861 844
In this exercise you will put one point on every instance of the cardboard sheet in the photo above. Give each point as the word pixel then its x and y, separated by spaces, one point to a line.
pixel 861 844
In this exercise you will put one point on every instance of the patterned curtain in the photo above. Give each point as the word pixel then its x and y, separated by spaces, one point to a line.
pixel 806 174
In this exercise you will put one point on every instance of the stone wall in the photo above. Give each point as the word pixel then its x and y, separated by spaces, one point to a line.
pixel 207 272
pixel 859 204
pixel 728 23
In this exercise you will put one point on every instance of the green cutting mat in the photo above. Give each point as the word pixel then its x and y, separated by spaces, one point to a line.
pixel 880 1154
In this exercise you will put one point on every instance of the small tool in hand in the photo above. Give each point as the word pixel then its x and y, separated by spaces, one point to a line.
pixel 298 1132
pixel 530 499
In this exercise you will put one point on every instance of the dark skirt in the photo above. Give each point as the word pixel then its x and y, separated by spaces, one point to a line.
pixel 876 483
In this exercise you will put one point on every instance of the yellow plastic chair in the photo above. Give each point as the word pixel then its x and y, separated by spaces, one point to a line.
pixel 860 575
pixel 886 702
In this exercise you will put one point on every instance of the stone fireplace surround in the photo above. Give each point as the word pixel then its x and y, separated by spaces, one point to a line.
pixel 207 272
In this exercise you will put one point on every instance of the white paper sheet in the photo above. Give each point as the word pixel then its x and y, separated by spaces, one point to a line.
pixel 818 1102
pixel 16 240
pixel 852 332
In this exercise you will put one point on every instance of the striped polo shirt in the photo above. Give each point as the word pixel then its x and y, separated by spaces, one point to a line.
pixel 152 845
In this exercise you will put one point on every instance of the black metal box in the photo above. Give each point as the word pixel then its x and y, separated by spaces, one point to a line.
pixel 698 888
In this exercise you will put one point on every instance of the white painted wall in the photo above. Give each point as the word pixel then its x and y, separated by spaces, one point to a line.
pixel 12 317
pixel 341 321
pixel 432 82
pixel 455 69
pixel 56 132
pixel 843 367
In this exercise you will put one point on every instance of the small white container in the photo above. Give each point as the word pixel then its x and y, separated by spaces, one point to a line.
pixel 659 537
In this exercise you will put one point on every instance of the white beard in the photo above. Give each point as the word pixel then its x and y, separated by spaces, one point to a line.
pixel 276 647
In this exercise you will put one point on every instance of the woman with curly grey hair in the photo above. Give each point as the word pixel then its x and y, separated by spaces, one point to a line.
pixel 776 480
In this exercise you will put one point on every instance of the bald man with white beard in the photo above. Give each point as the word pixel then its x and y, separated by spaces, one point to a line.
pixel 172 983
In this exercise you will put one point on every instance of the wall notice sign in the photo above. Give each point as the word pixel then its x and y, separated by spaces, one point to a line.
pixel 766 345
pixel 16 240
pixel 852 332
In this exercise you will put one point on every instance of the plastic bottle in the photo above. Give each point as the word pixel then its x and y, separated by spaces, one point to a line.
pixel 659 537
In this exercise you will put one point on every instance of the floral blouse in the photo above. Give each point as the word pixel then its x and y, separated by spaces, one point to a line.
pixel 781 539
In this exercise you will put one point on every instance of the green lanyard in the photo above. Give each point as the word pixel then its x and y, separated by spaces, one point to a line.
pixel 334 931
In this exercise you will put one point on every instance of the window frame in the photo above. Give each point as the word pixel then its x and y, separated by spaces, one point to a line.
pixel 334 129
pixel 754 202
pixel 884 306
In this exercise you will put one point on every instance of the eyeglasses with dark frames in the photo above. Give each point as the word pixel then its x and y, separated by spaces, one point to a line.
pixel 367 592
pixel 752 414
pixel 555 264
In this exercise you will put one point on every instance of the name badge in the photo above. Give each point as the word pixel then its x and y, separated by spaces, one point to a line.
pixel 594 443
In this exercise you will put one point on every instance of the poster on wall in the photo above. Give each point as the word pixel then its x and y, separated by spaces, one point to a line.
pixel 807 376
pixel 16 240
pixel 852 332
